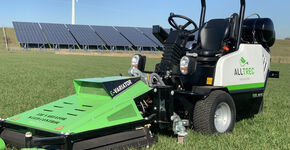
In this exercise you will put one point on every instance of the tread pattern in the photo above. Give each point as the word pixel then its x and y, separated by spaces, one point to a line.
pixel 204 112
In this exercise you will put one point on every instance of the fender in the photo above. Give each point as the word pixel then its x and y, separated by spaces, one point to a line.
pixel 201 92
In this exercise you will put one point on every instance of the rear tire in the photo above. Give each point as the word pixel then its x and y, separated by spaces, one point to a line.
pixel 215 114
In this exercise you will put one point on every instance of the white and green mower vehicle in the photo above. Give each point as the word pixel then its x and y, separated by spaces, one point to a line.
pixel 208 77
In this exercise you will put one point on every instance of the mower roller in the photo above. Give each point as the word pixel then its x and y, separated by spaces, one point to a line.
pixel 208 76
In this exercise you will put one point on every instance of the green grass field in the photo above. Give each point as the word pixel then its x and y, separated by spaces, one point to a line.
pixel 281 48
pixel 2 44
pixel 11 38
pixel 29 80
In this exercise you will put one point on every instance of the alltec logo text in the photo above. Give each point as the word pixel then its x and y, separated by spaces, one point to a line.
pixel 244 70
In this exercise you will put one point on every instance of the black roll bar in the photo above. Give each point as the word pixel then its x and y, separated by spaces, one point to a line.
pixel 242 16
pixel 241 20
pixel 203 10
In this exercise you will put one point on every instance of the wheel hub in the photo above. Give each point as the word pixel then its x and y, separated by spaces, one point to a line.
pixel 222 117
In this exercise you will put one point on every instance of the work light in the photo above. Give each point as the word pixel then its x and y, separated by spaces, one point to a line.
pixel 138 62
pixel 187 65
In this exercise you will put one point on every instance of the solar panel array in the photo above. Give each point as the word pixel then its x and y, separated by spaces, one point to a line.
pixel 136 37
pixel 84 35
pixel 148 32
pixel 58 34
pixel 111 36
pixel 28 32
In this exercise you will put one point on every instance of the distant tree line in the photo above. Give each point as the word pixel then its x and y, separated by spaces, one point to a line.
pixel 288 38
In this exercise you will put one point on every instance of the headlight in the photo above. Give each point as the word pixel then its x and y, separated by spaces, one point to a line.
pixel 187 65
pixel 135 61
pixel 138 62
pixel 184 65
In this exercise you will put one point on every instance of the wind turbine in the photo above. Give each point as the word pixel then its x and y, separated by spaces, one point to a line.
pixel 74 11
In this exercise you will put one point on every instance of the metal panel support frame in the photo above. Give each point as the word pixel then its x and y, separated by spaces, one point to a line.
pixel 71 47
pixel 154 50
pixel 113 48
pixel 86 47
pixel 126 48
pixel 100 48
pixel 56 47
pixel 41 46
pixel 140 48
pixel 25 46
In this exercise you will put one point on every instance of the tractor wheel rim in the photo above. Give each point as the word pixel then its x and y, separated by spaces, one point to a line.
pixel 222 117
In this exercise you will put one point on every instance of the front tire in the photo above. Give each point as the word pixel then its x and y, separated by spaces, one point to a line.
pixel 215 114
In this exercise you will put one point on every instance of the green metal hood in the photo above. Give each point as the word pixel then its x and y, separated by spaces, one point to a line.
pixel 98 103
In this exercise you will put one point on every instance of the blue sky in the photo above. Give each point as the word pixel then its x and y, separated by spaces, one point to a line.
pixel 139 13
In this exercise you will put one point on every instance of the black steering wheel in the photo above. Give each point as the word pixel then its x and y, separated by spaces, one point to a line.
pixel 181 27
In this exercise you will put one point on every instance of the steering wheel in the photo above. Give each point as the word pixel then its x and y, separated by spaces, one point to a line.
pixel 181 27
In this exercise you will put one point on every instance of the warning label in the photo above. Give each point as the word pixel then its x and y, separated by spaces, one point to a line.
pixel 48 118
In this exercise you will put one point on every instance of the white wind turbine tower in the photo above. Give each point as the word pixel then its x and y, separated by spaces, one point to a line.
pixel 74 11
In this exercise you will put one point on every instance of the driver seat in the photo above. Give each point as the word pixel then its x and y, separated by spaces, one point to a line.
pixel 212 37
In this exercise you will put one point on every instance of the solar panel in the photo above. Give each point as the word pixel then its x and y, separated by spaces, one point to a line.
pixel 136 37
pixel 111 36
pixel 149 34
pixel 28 32
pixel 85 35
pixel 58 34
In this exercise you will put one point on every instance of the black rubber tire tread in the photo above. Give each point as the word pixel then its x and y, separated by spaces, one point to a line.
pixel 204 110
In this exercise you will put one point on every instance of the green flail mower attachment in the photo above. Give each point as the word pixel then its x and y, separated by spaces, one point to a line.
pixel 102 114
